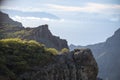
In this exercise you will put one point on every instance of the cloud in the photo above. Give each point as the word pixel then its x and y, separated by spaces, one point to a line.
pixel 99 11
pixel 88 7
pixel 23 9
pixel 109 12
pixel 19 18
pixel 35 21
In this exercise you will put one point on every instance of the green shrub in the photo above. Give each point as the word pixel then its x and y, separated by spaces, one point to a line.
pixel 64 50
pixel 52 51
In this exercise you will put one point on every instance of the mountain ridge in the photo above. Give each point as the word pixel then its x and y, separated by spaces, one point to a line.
pixel 42 34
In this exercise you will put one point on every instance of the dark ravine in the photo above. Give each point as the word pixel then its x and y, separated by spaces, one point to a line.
pixel 76 65
pixel 14 29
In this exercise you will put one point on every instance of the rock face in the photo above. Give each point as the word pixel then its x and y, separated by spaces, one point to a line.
pixel 14 29
pixel 76 65
pixel 42 34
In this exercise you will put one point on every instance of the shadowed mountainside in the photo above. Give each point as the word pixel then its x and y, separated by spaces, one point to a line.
pixel 107 55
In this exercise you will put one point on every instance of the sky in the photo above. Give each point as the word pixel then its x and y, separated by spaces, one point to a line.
pixel 80 22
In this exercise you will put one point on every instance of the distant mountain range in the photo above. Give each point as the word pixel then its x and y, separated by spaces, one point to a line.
pixel 30 14
pixel 107 55
pixel 14 29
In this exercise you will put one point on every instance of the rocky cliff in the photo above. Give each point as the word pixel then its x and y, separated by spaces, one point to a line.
pixel 42 34
pixel 75 65
pixel 13 29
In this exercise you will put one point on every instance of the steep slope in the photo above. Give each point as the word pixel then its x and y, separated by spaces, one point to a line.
pixel 42 34
pixel 13 29
pixel 107 56
pixel 110 58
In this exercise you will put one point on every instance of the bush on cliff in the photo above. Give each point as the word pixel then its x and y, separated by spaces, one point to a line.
pixel 64 50
pixel 53 51
pixel 18 56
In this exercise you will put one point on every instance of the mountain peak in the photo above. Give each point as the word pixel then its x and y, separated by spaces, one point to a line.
pixel 4 18
pixel 41 33
pixel 43 27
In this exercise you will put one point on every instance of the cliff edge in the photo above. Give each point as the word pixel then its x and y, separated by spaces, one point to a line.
pixel 76 65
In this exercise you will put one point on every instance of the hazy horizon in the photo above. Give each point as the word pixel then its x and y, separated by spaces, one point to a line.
pixel 79 22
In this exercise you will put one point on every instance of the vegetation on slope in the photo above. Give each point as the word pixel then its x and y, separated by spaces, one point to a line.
pixel 19 56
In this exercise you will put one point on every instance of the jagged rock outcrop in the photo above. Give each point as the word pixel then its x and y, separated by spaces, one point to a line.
pixel 14 29
pixel 76 65
pixel 42 34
